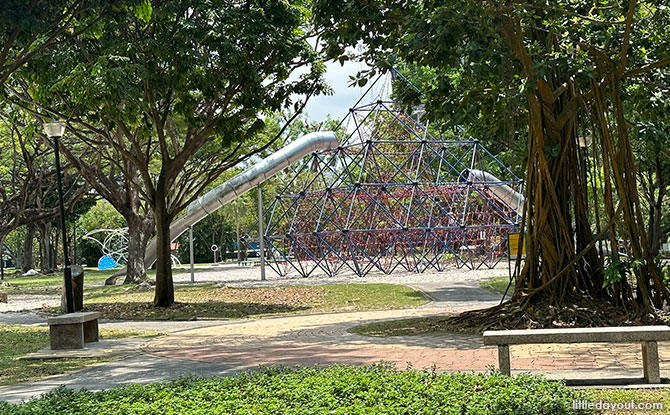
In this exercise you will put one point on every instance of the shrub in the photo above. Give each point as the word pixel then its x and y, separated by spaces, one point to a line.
pixel 377 389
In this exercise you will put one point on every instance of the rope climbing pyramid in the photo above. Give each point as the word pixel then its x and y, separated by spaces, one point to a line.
pixel 393 197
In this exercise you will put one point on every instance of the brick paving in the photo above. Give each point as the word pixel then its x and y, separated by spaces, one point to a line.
pixel 325 339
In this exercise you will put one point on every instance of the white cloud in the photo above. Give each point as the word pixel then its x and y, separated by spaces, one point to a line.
pixel 344 96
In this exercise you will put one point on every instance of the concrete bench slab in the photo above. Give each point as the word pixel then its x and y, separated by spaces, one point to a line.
pixel 71 331
pixel 73 318
pixel 578 335
pixel 647 336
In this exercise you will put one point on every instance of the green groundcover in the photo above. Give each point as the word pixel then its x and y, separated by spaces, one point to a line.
pixel 378 389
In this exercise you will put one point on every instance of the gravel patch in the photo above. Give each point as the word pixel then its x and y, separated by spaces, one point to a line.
pixel 23 302
pixel 231 275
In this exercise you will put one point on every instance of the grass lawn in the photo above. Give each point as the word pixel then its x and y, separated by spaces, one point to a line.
pixel 342 390
pixel 496 285
pixel 212 301
pixel 51 284
pixel 17 341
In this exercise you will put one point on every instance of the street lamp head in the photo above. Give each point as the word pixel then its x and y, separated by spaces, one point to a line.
pixel 54 129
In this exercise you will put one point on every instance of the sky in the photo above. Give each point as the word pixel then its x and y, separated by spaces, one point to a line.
pixel 344 96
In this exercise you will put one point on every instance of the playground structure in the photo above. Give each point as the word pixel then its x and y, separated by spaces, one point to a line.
pixel 238 185
pixel 393 196
pixel 114 246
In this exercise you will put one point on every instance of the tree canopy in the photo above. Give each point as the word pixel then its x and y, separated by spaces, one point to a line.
pixel 30 27
pixel 175 88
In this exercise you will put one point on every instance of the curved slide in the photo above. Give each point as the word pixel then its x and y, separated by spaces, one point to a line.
pixel 242 183
pixel 503 192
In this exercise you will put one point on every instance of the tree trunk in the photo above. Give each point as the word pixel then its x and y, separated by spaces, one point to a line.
pixel 28 259
pixel 139 233
pixel 55 247
pixel 239 242
pixel 164 294
pixel 18 255
pixel 46 249
pixel 555 192
pixel 655 199
pixel 2 257
pixel 654 229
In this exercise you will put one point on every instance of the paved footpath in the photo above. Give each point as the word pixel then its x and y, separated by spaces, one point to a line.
pixel 325 339
pixel 210 348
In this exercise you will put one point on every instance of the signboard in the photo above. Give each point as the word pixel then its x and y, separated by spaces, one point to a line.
pixel 513 245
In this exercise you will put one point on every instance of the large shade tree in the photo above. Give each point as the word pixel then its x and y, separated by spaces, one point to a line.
pixel 175 88
pixel 103 168
pixel 114 179
pixel 570 62
pixel 29 27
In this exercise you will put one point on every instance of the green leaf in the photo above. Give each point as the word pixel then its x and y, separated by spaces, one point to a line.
pixel 143 11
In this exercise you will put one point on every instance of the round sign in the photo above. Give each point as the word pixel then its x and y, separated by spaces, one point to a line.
pixel 214 248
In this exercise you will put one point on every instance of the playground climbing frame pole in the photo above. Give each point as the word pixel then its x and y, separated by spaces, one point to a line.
pixel 261 242
pixel 190 253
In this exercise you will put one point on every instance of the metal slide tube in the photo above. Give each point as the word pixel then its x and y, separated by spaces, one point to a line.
pixel 505 193
pixel 243 182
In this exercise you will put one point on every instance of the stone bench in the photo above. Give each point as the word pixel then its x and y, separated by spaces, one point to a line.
pixel 71 331
pixel 647 336
pixel 250 262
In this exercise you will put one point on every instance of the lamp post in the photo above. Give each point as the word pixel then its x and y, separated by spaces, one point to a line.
pixel 55 130
pixel 2 260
